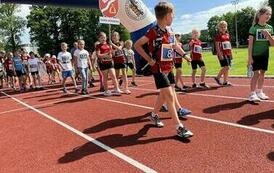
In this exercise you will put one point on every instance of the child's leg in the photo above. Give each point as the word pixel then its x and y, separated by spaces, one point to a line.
pixel 117 73
pixel 124 74
pixel 261 80
pixel 39 80
pixel 177 76
pixel 34 80
pixel 203 72
pixel 254 81
pixel 158 104
pixel 221 72
pixel 226 72
pixel 114 79
pixel 193 76
pixel 105 79
pixel 100 77
pixel 133 74
pixel 169 97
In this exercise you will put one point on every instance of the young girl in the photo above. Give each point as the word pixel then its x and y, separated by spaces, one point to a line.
pixel 33 66
pixel 196 58
pixel 104 54
pixel 55 69
pixel 258 52
pixel 178 66
pixel 129 53
pixel 83 64
pixel 224 53
pixel 119 59
pixel 94 63
pixel 10 70
pixel 48 64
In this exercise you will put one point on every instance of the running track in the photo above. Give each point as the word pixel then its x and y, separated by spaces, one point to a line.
pixel 48 131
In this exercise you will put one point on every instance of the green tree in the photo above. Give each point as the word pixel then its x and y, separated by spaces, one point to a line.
pixel 271 4
pixel 11 26
pixel 212 26
pixel 49 26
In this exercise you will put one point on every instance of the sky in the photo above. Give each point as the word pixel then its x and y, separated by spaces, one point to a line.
pixel 189 14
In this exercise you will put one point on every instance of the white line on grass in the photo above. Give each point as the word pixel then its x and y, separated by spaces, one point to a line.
pixel 94 141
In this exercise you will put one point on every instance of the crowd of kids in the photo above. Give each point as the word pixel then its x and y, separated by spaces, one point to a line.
pixel 114 57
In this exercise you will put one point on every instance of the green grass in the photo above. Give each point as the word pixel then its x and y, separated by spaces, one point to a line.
pixel 239 63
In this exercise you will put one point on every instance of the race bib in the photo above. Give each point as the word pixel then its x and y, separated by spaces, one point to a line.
pixel 118 53
pixel 10 66
pixel 226 45
pixel 167 52
pixel 260 36
pixel 106 59
pixel 197 49
pixel 172 38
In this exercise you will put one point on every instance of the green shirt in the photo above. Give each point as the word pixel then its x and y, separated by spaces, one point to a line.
pixel 260 44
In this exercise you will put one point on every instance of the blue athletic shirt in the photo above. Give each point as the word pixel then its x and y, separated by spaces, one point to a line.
pixel 18 64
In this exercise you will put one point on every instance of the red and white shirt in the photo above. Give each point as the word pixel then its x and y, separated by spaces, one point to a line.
pixel 196 49
pixel 224 43
pixel 103 49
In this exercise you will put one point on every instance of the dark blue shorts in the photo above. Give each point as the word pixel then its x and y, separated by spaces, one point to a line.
pixel 66 74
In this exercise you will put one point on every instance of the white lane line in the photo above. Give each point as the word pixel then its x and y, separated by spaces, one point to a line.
pixel 94 141
pixel 207 95
pixel 192 116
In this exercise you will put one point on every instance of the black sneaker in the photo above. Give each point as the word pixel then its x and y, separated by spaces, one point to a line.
pixel 186 87
pixel 217 81
pixel 164 108
pixel 203 85
pixel 76 90
pixel 194 85
pixel 155 119
pixel 102 89
pixel 227 84
pixel 120 82
pixel 134 84
pixel 91 85
pixel 177 88
pixel 182 132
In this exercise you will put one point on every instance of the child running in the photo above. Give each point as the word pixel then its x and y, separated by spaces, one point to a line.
pixel 196 59
pixel 129 53
pixel 258 52
pixel 83 64
pixel 64 60
pixel 160 58
pixel 224 53
pixel 105 62
pixel 178 61
pixel 119 60
pixel 33 66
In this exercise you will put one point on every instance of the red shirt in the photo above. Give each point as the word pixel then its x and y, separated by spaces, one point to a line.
pixel 225 45
pixel 196 49
pixel 118 56
pixel 9 64
pixel 178 59
pixel 165 66
pixel 103 48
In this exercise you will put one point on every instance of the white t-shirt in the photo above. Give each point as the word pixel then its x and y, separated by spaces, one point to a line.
pixel 82 58
pixel 65 60
pixel 129 54
pixel 33 64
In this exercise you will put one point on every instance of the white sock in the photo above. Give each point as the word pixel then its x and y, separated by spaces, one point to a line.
pixel 179 125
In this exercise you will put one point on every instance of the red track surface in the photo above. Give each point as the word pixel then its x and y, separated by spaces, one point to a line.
pixel 30 142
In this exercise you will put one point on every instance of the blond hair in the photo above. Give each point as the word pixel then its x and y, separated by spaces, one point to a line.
pixel 260 12
pixel 128 43
pixel 162 9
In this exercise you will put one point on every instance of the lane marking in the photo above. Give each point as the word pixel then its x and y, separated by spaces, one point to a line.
pixel 94 141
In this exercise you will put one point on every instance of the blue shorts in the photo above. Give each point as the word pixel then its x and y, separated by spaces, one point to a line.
pixel 66 74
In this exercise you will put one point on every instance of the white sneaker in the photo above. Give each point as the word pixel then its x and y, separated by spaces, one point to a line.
pixel 107 93
pixel 127 92
pixel 117 92
pixel 253 97
pixel 262 95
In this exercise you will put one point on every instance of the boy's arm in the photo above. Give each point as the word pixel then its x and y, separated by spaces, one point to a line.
pixel 180 50
pixel 139 48
pixel 219 52
pixel 250 47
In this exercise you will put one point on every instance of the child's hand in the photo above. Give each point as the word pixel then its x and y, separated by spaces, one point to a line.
pixel 151 62
pixel 266 33
pixel 249 62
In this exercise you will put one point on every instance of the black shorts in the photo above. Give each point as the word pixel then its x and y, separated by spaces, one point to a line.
pixel 260 63
pixel 196 63
pixel 119 66
pixel 34 73
pixel 226 61
pixel 130 65
pixel 163 80
pixel 103 67
pixel 178 65
pixel 20 73
pixel 10 73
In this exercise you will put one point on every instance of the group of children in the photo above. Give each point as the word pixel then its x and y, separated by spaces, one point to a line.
pixel 110 58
